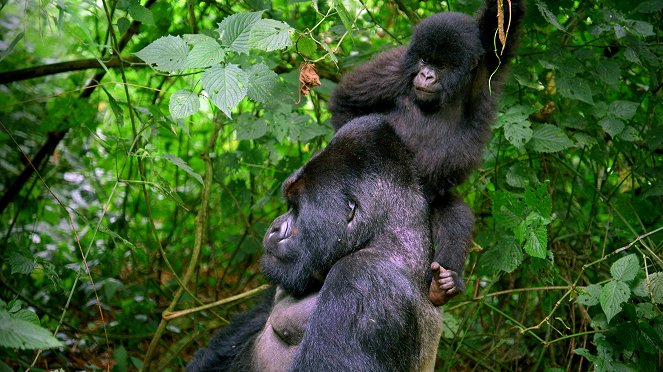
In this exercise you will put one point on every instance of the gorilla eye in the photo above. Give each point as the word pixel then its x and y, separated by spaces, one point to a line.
pixel 353 207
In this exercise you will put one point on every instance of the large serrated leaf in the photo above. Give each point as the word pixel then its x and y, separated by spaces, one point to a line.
pixel 21 264
pixel 226 86
pixel 518 133
pixel 613 295
pixel 612 126
pixel 549 138
pixel 589 295
pixel 204 54
pixel 623 109
pixel 625 269
pixel 24 335
pixel 549 16
pixel 251 129
pixel 260 83
pixel 575 88
pixel 656 286
pixel 234 30
pixel 183 103
pixel 505 256
pixel 343 14
pixel 536 243
pixel 168 53
pixel 183 166
pixel 269 35
pixel 538 199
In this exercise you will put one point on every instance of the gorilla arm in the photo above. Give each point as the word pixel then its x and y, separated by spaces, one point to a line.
pixel 371 313
pixel 370 88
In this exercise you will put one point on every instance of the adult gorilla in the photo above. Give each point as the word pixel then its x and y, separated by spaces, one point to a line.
pixel 357 229
pixel 437 93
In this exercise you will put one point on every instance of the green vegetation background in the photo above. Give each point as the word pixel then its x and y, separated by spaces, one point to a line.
pixel 130 208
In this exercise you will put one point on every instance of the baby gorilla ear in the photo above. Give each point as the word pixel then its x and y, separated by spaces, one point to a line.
pixel 352 206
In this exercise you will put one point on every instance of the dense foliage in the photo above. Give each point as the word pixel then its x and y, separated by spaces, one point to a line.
pixel 131 191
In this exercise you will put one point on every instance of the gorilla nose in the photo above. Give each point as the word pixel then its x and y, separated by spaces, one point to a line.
pixel 280 231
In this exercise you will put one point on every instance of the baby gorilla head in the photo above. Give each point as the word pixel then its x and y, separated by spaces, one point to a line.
pixel 332 208
pixel 444 49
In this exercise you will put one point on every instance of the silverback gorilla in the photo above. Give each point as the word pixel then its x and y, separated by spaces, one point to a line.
pixel 436 93
pixel 357 229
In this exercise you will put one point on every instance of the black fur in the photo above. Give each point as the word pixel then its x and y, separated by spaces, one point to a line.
pixel 358 226
pixel 445 125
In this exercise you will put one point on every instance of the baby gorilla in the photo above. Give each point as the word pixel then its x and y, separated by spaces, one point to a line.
pixel 440 94
pixel 350 259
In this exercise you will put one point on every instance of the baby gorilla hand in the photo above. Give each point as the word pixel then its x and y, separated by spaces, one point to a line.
pixel 442 287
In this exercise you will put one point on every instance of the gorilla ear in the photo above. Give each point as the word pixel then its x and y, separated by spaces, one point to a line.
pixel 353 207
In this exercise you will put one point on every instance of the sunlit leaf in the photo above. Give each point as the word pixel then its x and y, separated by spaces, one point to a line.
pixel 234 30
pixel 168 53
pixel 625 269
pixel 183 103
pixel 24 335
pixel 269 35
pixel 204 54
pixel 226 86
pixel 261 80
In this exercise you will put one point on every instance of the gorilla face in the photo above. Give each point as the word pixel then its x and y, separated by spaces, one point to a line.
pixel 300 244
pixel 436 74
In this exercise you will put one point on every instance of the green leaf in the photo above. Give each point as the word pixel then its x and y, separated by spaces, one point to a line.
pixel 24 335
pixel 141 14
pixel 641 28
pixel 518 133
pixel 123 24
pixel 121 358
pixel 589 296
pixel 549 138
pixel 508 211
pixel 306 46
pixel 536 243
pixel 538 199
pixel 204 54
pixel 27 315
pixel 584 140
pixel 251 129
pixel 183 103
pixel 608 72
pixel 117 110
pixel 261 80
pixel 343 14
pixel 613 295
pixel 168 53
pixel 625 269
pixel 269 35
pixel 21 264
pixel 586 354
pixel 623 109
pixel 226 86
pixel 656 286
pixel 11 46
pixel 183 166
pixel 505 256
pixel 234 30
pixel 549 16
pixel 651 6
pixel 575 88
pixel 612 126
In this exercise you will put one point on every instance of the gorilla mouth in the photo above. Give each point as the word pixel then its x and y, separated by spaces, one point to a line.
pixel 427 90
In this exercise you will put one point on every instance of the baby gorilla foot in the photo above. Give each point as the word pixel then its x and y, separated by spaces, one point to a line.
pixel 442 287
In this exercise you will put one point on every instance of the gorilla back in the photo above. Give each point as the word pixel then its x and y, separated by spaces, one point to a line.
pixel 357 229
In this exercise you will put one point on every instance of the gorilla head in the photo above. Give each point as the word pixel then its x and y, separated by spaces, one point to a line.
pixel 436 75
pixel 332 209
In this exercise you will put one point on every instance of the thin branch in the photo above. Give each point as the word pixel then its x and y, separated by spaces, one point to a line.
pixel 69 66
